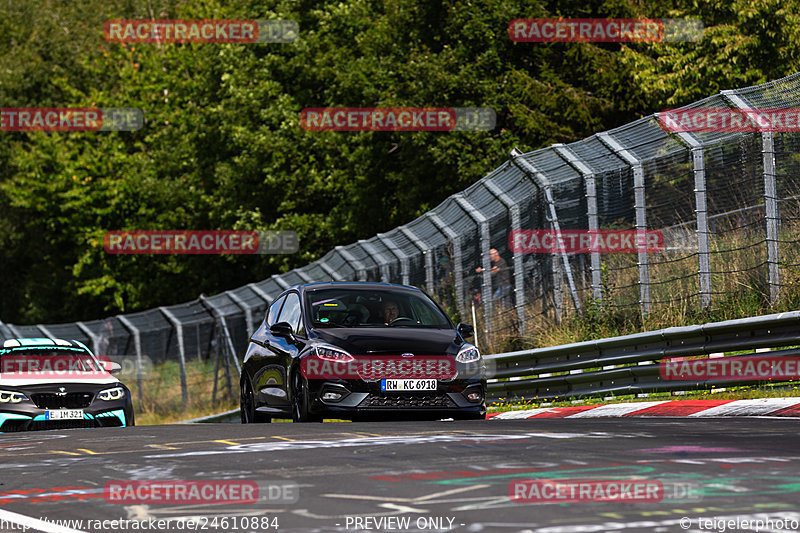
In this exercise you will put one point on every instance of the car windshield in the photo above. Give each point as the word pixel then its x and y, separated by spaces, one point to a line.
pixel 375 308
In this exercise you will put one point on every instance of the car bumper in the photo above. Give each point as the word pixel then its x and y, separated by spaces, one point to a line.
pixel 28 417
pixel 365 399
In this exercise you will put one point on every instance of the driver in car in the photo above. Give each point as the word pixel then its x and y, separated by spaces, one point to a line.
pixel 390 311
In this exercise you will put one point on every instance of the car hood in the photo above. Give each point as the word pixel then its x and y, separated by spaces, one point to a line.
pixel 391 340
pixel 16 382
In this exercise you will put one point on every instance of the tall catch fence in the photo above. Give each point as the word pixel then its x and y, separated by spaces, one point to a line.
pixel 727 204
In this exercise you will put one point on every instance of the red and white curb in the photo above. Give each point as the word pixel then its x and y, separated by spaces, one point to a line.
pixel 694 408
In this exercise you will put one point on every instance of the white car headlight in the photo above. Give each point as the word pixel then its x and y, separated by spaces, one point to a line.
pixel 7 396
pixel 468 354
pixel 117 393
pixel 332 353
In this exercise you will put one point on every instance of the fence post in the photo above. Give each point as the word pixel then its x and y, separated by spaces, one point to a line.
pixel 771 215
pixel 425 249
pixel 248 313
pixel 592 217
pixel 280 281
pixel 335 276
pixel 458 268
pixel 89 333
pixel 137 343
pixel 181 353
pixel 640 207
pixel 701 215
pixel 216 311
pixel 45 331
pixel 359 266
pixel 519 269
pixel 542 181
pixel 487 298
pixel 383 262
pixel 261 293
pixel 306 278
pixel 399 254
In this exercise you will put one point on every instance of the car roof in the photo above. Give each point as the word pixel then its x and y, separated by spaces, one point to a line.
pixel 42 342
pixel 352 285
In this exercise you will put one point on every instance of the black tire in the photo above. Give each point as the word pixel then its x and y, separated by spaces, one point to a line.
pixel 300 401
pixel 247 406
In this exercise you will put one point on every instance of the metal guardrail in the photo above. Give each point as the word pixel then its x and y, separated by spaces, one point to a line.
pixel 629 364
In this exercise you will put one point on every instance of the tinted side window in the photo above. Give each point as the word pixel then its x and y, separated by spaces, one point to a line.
pixel 291 313
pixel 274 309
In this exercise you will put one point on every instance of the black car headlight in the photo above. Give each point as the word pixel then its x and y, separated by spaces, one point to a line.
pixel 332 353
pixel 468 354
pixel 109 395
pixel 7 396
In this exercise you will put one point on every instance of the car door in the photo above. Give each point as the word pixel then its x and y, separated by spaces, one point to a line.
pixel 286 349
pixel 262 364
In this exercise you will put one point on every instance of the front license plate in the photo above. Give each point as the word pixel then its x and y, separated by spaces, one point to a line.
pixel 408 384
pixel 64 414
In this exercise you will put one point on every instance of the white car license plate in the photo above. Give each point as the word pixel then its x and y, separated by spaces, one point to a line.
pixel 64 414
pixel 408 384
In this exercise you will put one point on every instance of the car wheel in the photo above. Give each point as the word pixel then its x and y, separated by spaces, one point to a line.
pixel 300 401
pixel 247 406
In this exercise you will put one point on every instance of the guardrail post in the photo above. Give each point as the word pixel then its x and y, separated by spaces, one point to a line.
pixel 640 206
pixel 181 353
pixel 771 215
pixel 543 183
pixel 137 343
pixel 458 268
pixel 591 212
pixel 519 269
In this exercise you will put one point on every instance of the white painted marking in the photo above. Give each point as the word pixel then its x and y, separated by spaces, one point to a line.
pixel 751 407
pixel 382 441
pixel 34 523
pixel 616 409
pixel 518 415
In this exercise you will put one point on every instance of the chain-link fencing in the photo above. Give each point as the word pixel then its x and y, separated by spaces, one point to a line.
pixel 726 203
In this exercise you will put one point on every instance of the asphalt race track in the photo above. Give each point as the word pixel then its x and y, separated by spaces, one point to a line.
pixel 437 476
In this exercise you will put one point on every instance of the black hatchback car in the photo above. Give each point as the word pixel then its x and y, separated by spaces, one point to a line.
pixel 352 350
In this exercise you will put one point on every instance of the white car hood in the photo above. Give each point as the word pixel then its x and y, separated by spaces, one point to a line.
pixel 93 379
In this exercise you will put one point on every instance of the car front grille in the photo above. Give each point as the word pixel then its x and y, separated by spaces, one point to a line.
pixel 407 401
pixel 71 400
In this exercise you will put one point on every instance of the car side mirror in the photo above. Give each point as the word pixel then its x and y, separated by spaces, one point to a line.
pixel 465 330
pixel 111 367
pixel 281 329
